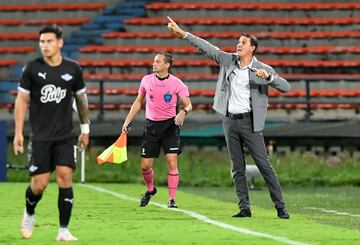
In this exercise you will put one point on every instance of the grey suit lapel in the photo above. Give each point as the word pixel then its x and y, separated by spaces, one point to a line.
pixel 231 68
pixel 253 79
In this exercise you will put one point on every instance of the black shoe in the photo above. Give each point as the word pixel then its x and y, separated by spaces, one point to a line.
pixel 243 213
pixel 146 198
pixel 282 213
pixel 172 204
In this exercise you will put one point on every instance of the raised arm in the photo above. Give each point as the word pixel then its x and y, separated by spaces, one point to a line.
pixel 204 46
pixel 20 110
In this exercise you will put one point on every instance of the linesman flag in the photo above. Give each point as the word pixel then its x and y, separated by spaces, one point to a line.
pixel 116 153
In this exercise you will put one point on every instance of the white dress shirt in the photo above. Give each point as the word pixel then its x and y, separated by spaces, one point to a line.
pixel 239 101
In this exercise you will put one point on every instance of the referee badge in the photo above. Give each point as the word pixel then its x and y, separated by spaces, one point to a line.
pixel 167 97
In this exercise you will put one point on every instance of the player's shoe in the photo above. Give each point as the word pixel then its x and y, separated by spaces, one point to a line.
pixel 146 198
pixel 172 204
pixel 27 224
pixel 65 235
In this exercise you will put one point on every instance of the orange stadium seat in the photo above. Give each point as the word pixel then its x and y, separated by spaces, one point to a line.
pixel 6 106
pixel 211 92
pixel 17 49
pixel 234 35
pixel 19 36
pixel 53 7
pixel 139 76
pixel 191 49
pixel 7 62
pixel 280 63
pixel 254 6
pixel 247 20
pixel 148 63
pixel 59 21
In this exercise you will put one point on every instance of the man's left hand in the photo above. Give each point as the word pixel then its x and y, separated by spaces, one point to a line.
pixel 83 141
pixel 180 117
pixel 262 73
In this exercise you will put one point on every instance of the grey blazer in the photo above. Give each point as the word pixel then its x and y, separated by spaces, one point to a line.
pixel 258 86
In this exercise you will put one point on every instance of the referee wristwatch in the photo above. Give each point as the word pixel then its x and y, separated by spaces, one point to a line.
pixel 186 111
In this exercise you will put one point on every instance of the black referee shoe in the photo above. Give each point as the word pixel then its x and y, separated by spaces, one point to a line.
pixel 172 204
pixel 146 198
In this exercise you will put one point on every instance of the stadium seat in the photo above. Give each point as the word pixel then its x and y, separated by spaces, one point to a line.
pixel 234 35
pixel 19 36
pixel 279 63
pixel 17 49
pixel 191 49
pixel 58 21
pixel 139 76
pixel 52 7
pixel 7 62
pixel 248 20
pixel 254 6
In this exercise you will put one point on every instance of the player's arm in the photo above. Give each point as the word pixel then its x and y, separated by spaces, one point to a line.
pixel 204 46
pixel 135 108
pixel 20 110
pixel 186 108
pixel 83 112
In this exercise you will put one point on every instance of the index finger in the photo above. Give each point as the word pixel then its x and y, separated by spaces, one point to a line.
pixel 171 20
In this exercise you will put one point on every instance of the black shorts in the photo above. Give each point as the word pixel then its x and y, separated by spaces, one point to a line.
pixel 157 134
pixel 45 155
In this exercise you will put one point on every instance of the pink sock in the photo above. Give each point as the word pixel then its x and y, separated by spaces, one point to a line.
pixel 148 178
pixel 173 181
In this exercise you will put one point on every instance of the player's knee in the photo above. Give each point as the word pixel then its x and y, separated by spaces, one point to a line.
pixel 172 164
pixel 38 187
pixel 145 169
pixel 64 180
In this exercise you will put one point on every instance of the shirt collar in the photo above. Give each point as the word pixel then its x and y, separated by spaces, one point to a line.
pixel 246 67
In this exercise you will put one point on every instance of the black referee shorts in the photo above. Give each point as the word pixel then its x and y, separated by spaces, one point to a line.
pixel 157 134
pixel 45 155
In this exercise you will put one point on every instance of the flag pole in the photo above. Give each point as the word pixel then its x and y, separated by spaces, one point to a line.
pixel 83 166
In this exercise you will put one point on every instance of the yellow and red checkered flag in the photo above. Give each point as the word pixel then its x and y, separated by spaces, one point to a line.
pixel 116 153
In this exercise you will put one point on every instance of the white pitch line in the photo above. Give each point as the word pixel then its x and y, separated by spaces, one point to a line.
pixel 199 217
pixel 333 212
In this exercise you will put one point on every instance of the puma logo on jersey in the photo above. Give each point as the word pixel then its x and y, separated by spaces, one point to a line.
pixel 69 200
pixel 51 93
pixel 43 75
pixel 67 77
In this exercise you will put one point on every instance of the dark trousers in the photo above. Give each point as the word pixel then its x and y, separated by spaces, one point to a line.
pixel 239 133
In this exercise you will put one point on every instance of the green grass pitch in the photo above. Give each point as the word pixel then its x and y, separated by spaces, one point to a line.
pixel 110 214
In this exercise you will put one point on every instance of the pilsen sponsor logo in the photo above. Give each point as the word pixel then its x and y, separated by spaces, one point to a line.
pixel 50 93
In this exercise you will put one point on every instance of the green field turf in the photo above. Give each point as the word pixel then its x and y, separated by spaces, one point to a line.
pixel 109 214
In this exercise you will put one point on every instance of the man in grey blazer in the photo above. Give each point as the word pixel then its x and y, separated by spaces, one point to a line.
pixel 241 98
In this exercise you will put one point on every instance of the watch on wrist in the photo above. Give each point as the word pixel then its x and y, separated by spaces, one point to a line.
pixel 268 78
pixel 186 111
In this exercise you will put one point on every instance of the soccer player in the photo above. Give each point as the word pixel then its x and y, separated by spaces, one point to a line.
pixel 162 91
pixel 50 83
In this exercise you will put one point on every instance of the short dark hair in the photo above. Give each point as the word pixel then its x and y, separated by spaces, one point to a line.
pixel 253 40
pixel 57 30
pixel 167 57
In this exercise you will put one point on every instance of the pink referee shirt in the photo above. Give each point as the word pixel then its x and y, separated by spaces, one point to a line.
pixel 162 96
